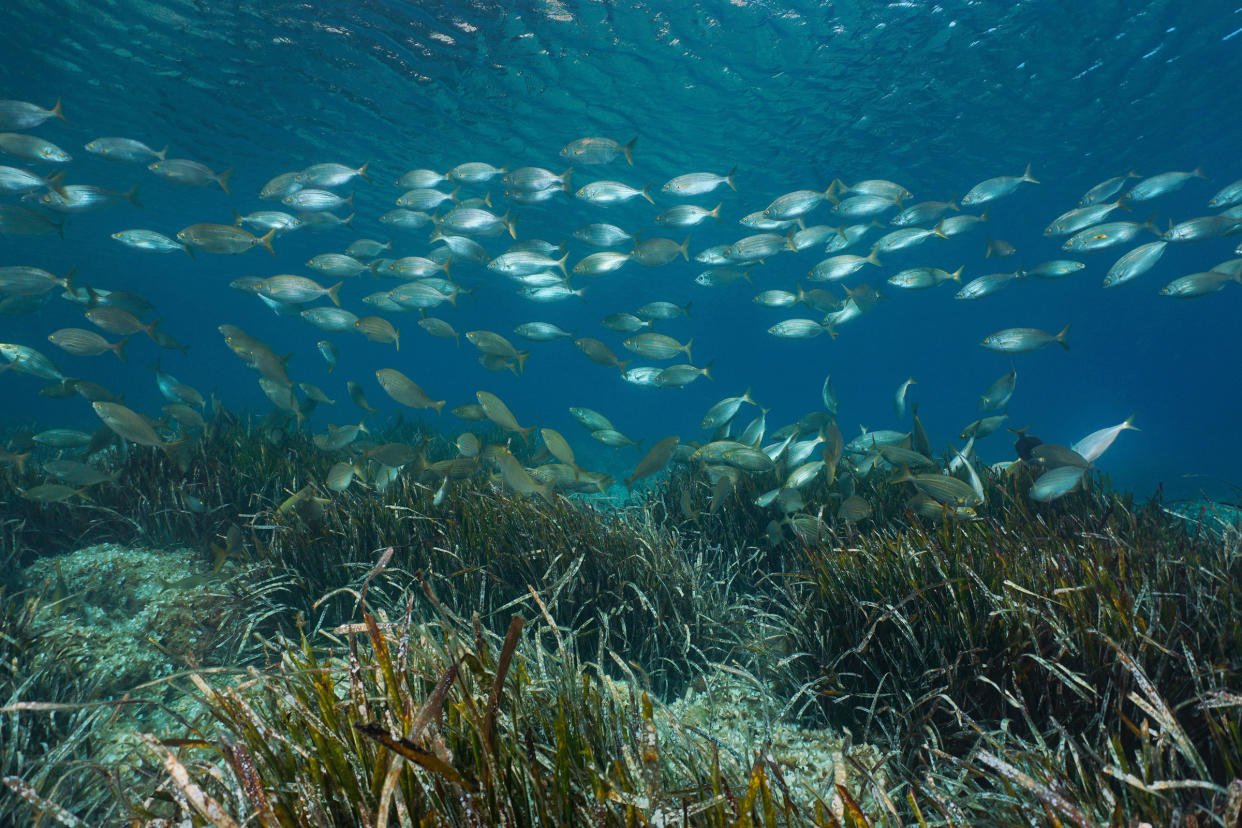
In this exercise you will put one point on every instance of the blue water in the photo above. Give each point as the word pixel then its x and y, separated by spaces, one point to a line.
pixel 934 96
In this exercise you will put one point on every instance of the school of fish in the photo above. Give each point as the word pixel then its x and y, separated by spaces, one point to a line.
pixel 444 224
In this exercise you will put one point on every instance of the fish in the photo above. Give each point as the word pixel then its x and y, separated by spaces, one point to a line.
pixel 63 438
pixel 296 289
pixel 129 425
pixel 1135 263
pixel 359 396
pixel 20 182
pixel 699 183
pixel 1203 228
pixel 602 235
pixel 679 376
pixel 266 220
pixel 500 414
pixel 23 280
pixel 1162 184
pixel 1056 483
pixel 314 200
pixel 558 446
pixel 606 192
pixel 1022 340
pixel 516 477
pixel 941 487
pixel 330 319
pixel 994 188
pixel 921 278
pixel 83 198
pixel 653 461
pixel 878 187
pixel 32 148
pixel 776 299
pixel 599 353
pixel 79 475
pixel 1227 196
pixel 119 321
pixel 865 206
pixel 151 240
pixel 25 115
pixel 657 346
pixel 625 323
pixel 337 264
pixel 687 215
pixel 795 205
pixel 904 238
pixel 838 267
pixel 999 248
pixel 404 391
pixel 1106 189
pixel 1054 269
pixel 541 331
pixel 331 174
pixel 997 395
pixel 1051 456
pixel 329 353
pixel 1080 218
pixel 646 376
pixel 52 493
pixel 986 285
pixel 983 427
pixel 1107 235
pixel 81 342
pixel 829 397
pixel 1199 284
pixel 797 329
pixel 1098 442
pixel 224 238
pixel 314 392
pixel 378 329
pixel 439 329
pixel 899 400
pixel 190 173
pixel 474 172
pixel 854 509
pixel 590 419
pixel 341 475
pixel 724 411
pixel 594 150
pixel 663 311
pixel 923 212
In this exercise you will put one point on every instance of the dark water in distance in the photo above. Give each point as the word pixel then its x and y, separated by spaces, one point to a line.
pixel 936 96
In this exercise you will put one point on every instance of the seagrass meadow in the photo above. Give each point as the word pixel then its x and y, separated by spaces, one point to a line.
pixel 375 658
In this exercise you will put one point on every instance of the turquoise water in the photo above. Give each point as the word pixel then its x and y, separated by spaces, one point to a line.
pixel 936 97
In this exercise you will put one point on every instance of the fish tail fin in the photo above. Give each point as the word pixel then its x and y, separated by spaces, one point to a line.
pixel 237 217
pixel 438 405
pixel 833 188
pixel 349 199
pixel 1026 176
pixel 521 362
pixel 132 197
pixel 684 249
pixel 746 276
pixel 567 178
pixel 628 149
pixel 686 309
pixel 374 268
pixel 983 216
pixel 873 256
pixel 1062 338
pixel 119 348
pixel 452 297
pixel 349 221
pixel 266 240
pixel 334 293
pixel 561 264
pixel 444 267
pixel 57 112
pixel 1120 204
pixel 729 178
pixel 1150 224
pixel 190 250
pixel 150 329
pixel 69 282
pixel 988 254
pixel 162 154
pixel 1197 172
pixel 1129 424
pixel 223 180
pixel 20 461
pixel 715 211
pixel 362 171
pixel 510 224
pixel 686 348
pixel 54 182
pixel 707 370
pixel 953 205
pixel 646 192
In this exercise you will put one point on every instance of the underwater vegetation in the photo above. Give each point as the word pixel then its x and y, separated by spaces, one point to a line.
pixel 375 657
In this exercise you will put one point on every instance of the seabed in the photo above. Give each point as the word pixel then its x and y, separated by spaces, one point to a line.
pixel 206 641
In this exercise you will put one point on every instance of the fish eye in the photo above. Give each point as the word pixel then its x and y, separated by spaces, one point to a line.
pixel 1100 236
